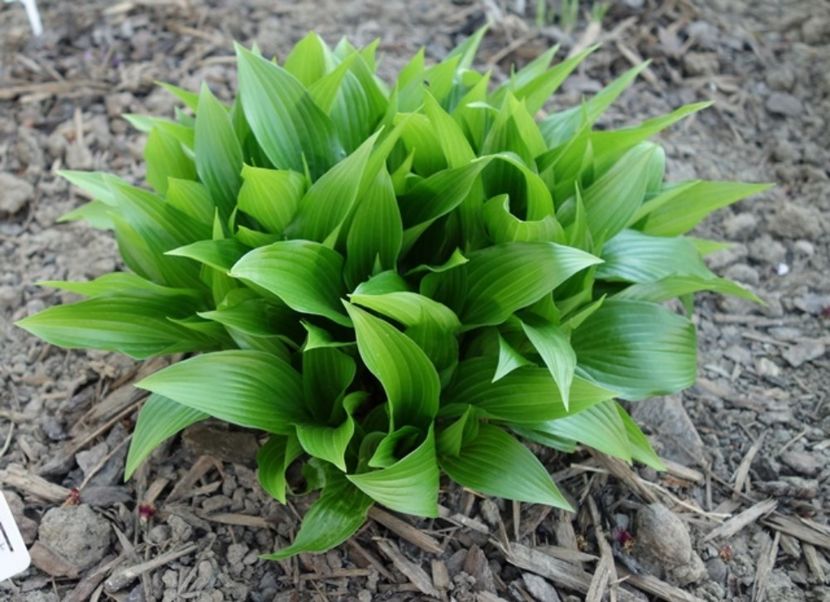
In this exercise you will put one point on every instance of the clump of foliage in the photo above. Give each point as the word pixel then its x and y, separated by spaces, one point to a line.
pixel 398 281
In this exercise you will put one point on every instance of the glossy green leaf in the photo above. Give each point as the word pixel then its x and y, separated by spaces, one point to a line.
pixel 638 349
pixel 218 153
pixel 403 369
pixel 273 459
pixel 494 463
pixel 271 196
pixel 159 419
pixel 509 360
pixel 553 345
pixel 410 485
pixel 330 443
pixel 599 426
pixel 247 388
pixel 305 275
pixel 336 515
pixel 289 127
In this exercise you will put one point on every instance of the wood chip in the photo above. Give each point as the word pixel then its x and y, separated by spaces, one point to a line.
pixel 557 571
pixel 605 572
pixel 370 559
pixel 463 521
pixel 742 472
pixel 814 562
pixel 416 575
pixel 738 522
pixel 624 473
pixel 567 554
pixel 123 577
pixel 766 560
pixel 682 472
pixel 199 469
pixel 656 587
pixel 54 88
pixel 92 580
pixel 408 532
pixel 800 529
pixel 50 563
pixel 440 575
pixel 239 520
pixel 16 476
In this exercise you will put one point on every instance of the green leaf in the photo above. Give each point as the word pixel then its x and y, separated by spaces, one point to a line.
pixel 126 284
pixel 191 198
pixel 218 254
pixel 376 233
pixel 271 196
pixel 526 395
pixel 166 159
pixel 504 278
pixel 494 463
pixel 336 515
pixel 403 369
pixel 553 345
pixel 599 426
pixel 410 485
pixel 638 349
pixel 330 443
pixel 641 449
pixel 330 199
pixel 509 360
pixel 136 326
pixel 677 286
pixel 273 459
pixel 287 124
pixel 218 154
pixel 248 388
pixel 632 256
pixel 309 60
pixel 159 419
pixel 305 275
pixel 190 99
pixel 687 209
pixel 327 373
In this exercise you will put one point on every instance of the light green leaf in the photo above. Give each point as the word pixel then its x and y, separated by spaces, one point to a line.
pixel 289 127
pixel 127 284
pixel 509 360
pixel 677 286
pixel 553 345
pixel 136 326
pixel 403 369
pixel 494 463
pixel 632 256
pixel 376 233
pixel 219 254
pixel 526 395
pixel 159 419
pixel 305 275
pixel 330 199
pixel 641 449
pixel 336 515
pixel 271 196
pixel 410 485
pixel 166 159
pixel 248 388
pixel 330 443
pixel 685 210
pixel 639 349
pixel 599 426
pixel 309 60
pixel 218 154
pixel 273 459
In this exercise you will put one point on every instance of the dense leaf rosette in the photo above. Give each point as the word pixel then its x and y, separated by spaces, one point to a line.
pixel 391 282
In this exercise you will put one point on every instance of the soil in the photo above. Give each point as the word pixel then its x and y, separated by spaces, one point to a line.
pixel 756 427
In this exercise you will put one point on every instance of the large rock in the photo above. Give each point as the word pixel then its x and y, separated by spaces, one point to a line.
pixel 663 544
pixel 15 193
pixel 76 534
pixel 674 431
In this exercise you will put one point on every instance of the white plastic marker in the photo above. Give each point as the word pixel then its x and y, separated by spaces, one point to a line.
pixel 14 557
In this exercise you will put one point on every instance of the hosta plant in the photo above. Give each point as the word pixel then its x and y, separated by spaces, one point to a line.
pixel 391 281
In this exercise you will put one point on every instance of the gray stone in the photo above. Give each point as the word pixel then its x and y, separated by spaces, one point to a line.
pixel 539 588
pixel 812 303
pixel 795 221
pixel 740 225
pixel 663 543
pixel 766 368
pixel 76 534
pixel 701 63
pixel 767 250
pixel 15 193
pixel 89 459
pixel 668 420
pixel 805 351
pixel 741 272
pixel 781 103
pixel 801 462
pixel 782 589
pixel 717 569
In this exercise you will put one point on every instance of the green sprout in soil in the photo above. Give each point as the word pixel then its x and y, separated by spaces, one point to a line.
pixel 395 282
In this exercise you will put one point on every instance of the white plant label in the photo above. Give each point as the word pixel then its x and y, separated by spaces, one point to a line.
pixel 14 557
